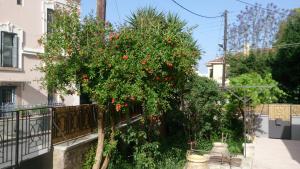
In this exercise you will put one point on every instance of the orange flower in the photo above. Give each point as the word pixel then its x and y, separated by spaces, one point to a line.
pixel 112 100
pixel 144 62
pixel 118 107
pixel 125 57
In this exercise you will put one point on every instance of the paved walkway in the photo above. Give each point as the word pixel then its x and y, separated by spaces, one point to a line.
pixel 276 154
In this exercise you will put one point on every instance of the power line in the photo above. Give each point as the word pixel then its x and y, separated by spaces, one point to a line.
pixel 280 46
pixel 256 5
pixel 203 16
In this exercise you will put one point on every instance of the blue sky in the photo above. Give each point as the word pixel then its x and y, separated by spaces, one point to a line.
pixel 209 32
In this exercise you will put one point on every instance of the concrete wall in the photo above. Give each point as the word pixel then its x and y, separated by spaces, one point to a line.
pixel 262 126
pixel 288 115
pixel 70 155
pixel 295 128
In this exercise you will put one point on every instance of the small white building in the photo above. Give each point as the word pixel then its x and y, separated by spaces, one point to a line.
pixel 22 23
pixel 215 70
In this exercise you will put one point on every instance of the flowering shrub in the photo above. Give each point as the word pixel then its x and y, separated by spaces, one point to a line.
pixel 146 60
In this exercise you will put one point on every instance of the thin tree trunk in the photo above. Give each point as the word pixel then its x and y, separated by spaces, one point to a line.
pixel 112 139
pixel 100 146
pixel 105 163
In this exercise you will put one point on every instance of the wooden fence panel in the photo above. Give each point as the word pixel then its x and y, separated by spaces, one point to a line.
pixel 73 121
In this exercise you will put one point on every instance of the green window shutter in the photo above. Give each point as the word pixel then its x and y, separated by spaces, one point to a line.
pixel 15 51
pixel 49 20
pixel 7 50
pixel 1 49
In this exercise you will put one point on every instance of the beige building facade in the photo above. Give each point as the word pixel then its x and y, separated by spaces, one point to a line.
pixel 215 70
pixel 22 23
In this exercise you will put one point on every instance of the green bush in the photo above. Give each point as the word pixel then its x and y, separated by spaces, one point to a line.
pixel 235 146
pixel 89 157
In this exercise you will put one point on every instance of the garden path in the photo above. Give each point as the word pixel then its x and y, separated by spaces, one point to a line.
pixel 276 154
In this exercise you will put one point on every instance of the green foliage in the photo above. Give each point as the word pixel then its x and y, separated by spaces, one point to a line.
pixel 145 155
pixel 257 62
pixel 286 64
pixel 89 157
pixel 267 90
pixel 204 101
pixel 204 144
pixel 249 89
pixel 235 146
pixel 144 61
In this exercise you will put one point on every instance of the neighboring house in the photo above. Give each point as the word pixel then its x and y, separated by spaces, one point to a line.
pixel 215 70
pixel 22 23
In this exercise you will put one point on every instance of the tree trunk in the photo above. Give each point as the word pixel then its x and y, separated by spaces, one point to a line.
pixel 100 145
pixel 105 163
pixel 112 139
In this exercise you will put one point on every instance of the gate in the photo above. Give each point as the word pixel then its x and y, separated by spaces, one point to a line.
pixel 24 134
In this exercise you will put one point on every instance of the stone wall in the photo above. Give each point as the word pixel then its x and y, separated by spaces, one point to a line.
pixel 70 155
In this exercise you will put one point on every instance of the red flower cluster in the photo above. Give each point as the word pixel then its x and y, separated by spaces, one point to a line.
pixel 125 57
pixel 113 36
pixel 118 107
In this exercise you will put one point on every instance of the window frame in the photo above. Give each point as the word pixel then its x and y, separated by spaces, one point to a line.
pixel 15 35
pixel 13 94
pixel 211 73
pixel 49 11
pixel 20 2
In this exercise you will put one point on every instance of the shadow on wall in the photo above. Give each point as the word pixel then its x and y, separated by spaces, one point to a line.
pixel 33 96
pixel 41 162
pixel 261 125
pixel 293 147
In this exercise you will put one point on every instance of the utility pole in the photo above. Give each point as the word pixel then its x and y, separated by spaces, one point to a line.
pixel 101 9
pixel 225 49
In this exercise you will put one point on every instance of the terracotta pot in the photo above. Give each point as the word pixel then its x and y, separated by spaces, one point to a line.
pixel 220 148
pixel 195 161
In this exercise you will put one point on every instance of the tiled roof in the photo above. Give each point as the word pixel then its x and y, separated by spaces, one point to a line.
pixel 217 60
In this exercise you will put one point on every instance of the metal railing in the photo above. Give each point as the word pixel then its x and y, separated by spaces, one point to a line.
pixel 24 134
pixel 29 132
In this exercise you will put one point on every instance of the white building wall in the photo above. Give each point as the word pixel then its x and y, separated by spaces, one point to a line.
pixel 217 69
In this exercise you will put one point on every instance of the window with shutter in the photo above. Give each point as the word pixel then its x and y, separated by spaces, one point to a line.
pixel 9 50
pixel 49 20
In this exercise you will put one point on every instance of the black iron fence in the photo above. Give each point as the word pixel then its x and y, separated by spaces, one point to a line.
pixel 29 132
pixel 24 134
